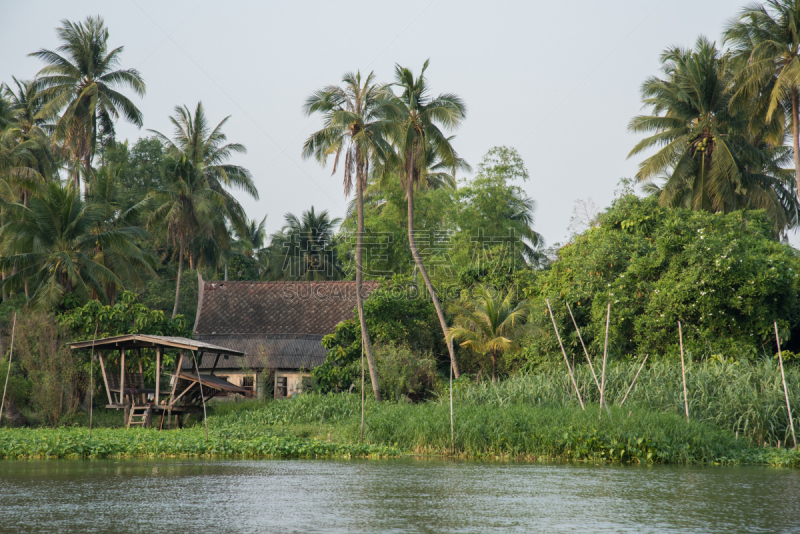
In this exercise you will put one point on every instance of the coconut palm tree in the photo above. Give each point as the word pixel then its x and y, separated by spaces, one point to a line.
pixel 208 150
pixel 304 248
pixel 715 164
pixel 185 206
pixel 416 118
pixel 353 125
pixel 80 83
pixel 490 324
pixel 55 245
pixel 765 41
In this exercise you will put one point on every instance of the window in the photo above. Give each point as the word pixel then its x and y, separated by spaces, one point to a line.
pixel 281 386
pixel 248 382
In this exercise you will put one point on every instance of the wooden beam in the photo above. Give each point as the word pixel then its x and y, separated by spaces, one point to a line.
pixel 185 391
pixel 176 375
pixel 158 375
pixel 105 378
pixel 216 361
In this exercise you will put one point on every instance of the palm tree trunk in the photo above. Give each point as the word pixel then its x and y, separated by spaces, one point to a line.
pixel 424 273
pixel 88 164
pixel 180 274
pixel 796 138
pixel 373 374
pixel 494 367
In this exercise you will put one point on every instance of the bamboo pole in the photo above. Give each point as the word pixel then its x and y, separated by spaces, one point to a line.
pixel 8 374
pixel 683 373
pixel 202 397
pixel 785 391
pixel 363 385
pixel 452 428
pixel 634 380
pixel 91 380
pixel 605 357
pixel 586 352
pixel 566 360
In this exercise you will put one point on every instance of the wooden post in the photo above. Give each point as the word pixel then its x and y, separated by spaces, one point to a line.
pixel 566 360
pixel 10 356
pixel 216 361
pixel 158 375
pixel 91 380
pixel 605 357
pixel 143 397
pixel 586 352
pixel 633 381
pixel 105 378
pixel 785 391
pixel 683 372
pixel 175 379
pixel 122 376
pixel 202 397
pixel 363 385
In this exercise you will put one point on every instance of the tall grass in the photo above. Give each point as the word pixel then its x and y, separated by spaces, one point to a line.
pixel 744 398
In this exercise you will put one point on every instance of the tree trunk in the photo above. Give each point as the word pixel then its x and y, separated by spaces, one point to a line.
pixel 796 138
pixel 191 260
pixel 180 273
pixel 88 165
pixel 373 374
pixel 494 368
pixel 424 273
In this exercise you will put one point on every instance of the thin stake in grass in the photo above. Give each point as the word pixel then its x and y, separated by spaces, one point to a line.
pixel 605 357
pixel 785 390
pixel 8 374
pixel 634 380
pixel 586 352
pixel 683 372
pixel 202 396
pixel 363 384
pixel 91 379
pixel 452 428
pixel 566 360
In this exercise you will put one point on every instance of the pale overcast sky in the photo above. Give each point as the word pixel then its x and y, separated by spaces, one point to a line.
pixel 557 80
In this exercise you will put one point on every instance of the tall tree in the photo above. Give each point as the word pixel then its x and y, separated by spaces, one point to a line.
pixel 56 243
pixel 353 125
pixel 713 161
pixel 765 39
pixel 304 248
pixel 208 150
pixel 416 119
pixel 80 82
pixel 490 324
pixel 185 206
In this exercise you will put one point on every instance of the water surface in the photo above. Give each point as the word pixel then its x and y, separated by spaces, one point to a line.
pixel 282 496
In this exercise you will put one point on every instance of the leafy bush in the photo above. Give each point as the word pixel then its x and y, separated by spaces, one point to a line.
pixel 723 276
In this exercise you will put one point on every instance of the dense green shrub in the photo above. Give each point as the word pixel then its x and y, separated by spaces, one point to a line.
pixel 723 276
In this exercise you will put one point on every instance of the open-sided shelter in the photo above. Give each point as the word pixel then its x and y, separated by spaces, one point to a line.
pixel 186 389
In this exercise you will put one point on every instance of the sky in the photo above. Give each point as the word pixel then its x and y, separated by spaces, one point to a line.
pixel 557 81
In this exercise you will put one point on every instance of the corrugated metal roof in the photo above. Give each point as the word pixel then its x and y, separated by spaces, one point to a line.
pixel 148 341
pixel 266 351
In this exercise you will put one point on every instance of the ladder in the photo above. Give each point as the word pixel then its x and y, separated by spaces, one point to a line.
pixel 139 415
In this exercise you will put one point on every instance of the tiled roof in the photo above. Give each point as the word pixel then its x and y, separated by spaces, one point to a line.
pixel 274 351
pixel 275 307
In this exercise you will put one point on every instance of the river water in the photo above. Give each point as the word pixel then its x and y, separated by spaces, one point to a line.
pixel 242 496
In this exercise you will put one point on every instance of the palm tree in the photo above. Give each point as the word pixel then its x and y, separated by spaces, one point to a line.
pixel 185 206
pixel 353 124
pixel 714 162
pixel 304 249
pixel 81 79
pixel 208 150
pixel 416 118
pixel 55 245
pixel 490 324
pixel 765 40
pixel 250 239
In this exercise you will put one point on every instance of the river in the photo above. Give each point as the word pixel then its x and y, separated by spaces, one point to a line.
pixel 406 495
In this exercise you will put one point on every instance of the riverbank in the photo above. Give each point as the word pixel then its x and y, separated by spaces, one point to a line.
pixel 302 428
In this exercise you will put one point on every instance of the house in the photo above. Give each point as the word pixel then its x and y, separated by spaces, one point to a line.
pixel 278 325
